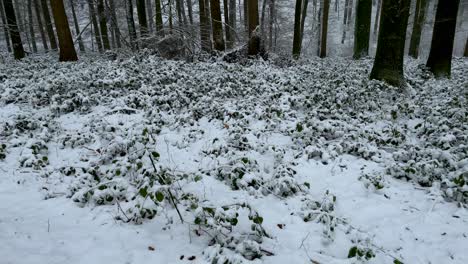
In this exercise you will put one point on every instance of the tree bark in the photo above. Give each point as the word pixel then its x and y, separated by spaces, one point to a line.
pixel 232 20
pixel 296 52
pixel 5 27
pixel 443 37
pixel 465 54
pixel 92 15
pixel 77 26
pixel 419 17
pixel 377 17
pixel 141 11
pixel 305 4
pixel 246 15
pixel 67 49
pixel 149 8
pixel 115 23
pixel 103 24
pixel 159 20
pixel 226 25
pixel 323 43
pixel 254 38
pixel 18 51
pixel 37 9
pixel 271 22
pixel 31 26
pixel 190 11
pixel 204 28
pixel 48 24
pixel 217 25
pixel 388 63
pixel 131 24
pixel 362 28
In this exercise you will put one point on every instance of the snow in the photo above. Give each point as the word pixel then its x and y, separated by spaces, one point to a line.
pixel 267 163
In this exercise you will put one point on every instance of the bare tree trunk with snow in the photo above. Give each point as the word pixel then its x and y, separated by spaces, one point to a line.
pixel 77 26
pixel 131 25
pixel 67 49
pixel 103 24
pixel 48 25
pixel 31 26
pixel 204 27
pixel 419 17
pixel 217 25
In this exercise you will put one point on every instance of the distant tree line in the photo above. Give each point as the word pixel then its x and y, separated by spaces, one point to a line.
pixel 218 23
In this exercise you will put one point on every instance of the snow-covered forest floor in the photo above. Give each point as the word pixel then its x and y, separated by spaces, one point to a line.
pixel 270 162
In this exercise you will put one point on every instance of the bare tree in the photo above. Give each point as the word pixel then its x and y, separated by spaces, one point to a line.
pixel 388 63
pixel 254 39
pixel 323 43
pixel 204 27
pixel 5 28
pixel 362 28
pixel 226 24
pixel 31 26
pixel 141 11
pixel 77 26
pixel 419 17
pixel 103 24
pixel 159 20
pixel 67 49
pixel 190 11
pixel 465 54
pixel 15 36
pixel 92 15
pixel 114 23
pixel 377 17
pixel 232 20
pixel 296 52
pixel 443 37
pixel 217 25
pixel 48 24
pixel 37 10
pixel 131 24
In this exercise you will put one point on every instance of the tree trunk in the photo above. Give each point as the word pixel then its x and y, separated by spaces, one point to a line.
pixel 37 9
pixel 271 22
pixel 319 27
pixel 141 11
pixel 48 24
pixel 103 24
pixel 388 63
pixel 159 20
pixel 305 4
pixel 190 11
pixel 5 27
pixel 204 28
pixel 419 17
pixel 217 25
pixel 171 27
pixel 97 34
pixel 362 28
pixel 323 43
pixel 131 24
pixel 67 49
pixel 345 21
pixel 226 24
pixel 77 26
pixel 31 26
pixel 254 39
pixel 15 36
pixel 296 52
pixel 149 7
pixel 115 23
pixel 232 20
pixel 262 19
pixel 377 17
pixel 246 15
pixel 443 36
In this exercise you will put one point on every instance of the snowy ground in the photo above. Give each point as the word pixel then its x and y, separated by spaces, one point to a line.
pixel 267 163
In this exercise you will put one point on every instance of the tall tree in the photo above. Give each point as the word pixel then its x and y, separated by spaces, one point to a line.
pixel 77 26
pixel 67 49
pixel 271 22
pixel 103 24
pixel 31 26
pixel 92 15
pixel 246 15
pixel 190 11
pixel 131 24
pixel 362 28
pixel 297 30
pixel 141 11
pixel 226 24
pixel 37 9
pixel 419 17
pixel 443 37
pixel 217 25
pixel 16 42
pixel 204 27
pixel 305 4
pixel 159 20
pixel 48 24
pixel 5 28
pixel 323 43
pixel 254 38
pixel 377 17
pixel 149 8
pixel 345 20
pixel 232 20
pixel 388 63
pixel 114 23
